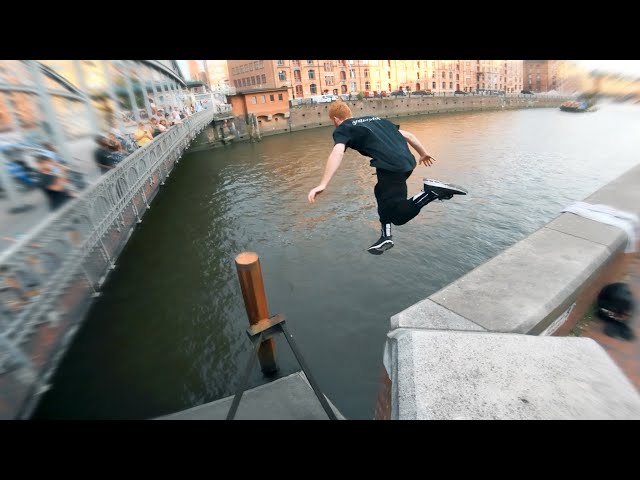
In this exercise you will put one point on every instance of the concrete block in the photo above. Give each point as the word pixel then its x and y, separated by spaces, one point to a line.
pixel 612 237
pixel 489 376
pixel 287 398
pixel 532 282
pixel 428 314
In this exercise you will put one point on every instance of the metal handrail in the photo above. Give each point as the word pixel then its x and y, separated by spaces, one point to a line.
pixel 42 264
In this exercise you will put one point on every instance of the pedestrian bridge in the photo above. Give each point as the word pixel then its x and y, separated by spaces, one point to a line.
pixel 49 278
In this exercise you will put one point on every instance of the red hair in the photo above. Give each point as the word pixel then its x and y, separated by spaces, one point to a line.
pixel 340 110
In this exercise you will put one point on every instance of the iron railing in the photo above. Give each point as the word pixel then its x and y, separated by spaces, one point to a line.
pixel 77 245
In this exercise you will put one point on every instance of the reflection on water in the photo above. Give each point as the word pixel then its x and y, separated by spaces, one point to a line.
pixel 169 331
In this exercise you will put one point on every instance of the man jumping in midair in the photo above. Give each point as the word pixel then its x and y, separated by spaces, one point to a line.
pixel 387 146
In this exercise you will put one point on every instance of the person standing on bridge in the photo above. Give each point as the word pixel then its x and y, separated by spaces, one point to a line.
pixel 387 146
pixel 54 181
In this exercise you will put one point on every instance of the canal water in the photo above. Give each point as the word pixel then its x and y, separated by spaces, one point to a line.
pixel 168 333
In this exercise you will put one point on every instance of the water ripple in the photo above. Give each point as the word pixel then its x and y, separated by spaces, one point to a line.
pixel 168 332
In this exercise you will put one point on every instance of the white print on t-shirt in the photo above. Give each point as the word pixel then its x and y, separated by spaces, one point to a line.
pixel 361 120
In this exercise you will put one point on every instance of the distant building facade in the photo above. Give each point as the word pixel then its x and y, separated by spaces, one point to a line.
pixel 218 74
pixel 269 105
pixel 541 75
pixel 306 78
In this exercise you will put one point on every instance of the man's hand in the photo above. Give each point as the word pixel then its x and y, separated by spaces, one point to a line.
pixel 426 160
pixel 315 191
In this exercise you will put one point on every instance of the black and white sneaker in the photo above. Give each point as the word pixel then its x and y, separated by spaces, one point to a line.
pixel 383 244
pixel 441 190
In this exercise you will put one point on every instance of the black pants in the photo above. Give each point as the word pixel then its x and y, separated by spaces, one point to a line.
pixel 391 194
pixel 56 199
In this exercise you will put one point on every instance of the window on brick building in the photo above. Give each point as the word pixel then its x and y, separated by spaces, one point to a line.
pixel 272 98
pixel 254 100
pixel 282 75
pixel 312 74
pixel 263 99
pixel 313 88
pixel 279 96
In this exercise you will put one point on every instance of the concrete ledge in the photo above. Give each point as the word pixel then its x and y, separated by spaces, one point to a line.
pixel 528 286
pixel 534 283
pixel 287 398
pixel 539 286
pixel 428 314
pixel 304 117
pixel 480 376
pixel 611 237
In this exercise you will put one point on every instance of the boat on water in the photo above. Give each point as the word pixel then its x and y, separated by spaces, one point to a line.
pixel 577 106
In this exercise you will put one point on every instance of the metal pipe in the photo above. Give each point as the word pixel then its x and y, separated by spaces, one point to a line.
pixel 50 115
pixel 114 99
pixel 91 114
pixel 255 302
pixel 132 97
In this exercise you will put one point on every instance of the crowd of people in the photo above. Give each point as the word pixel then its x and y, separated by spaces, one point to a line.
pixel 48 171
pixel 114 147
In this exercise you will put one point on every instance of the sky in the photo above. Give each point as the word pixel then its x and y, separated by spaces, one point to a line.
pixel 624 67
pixel 183 67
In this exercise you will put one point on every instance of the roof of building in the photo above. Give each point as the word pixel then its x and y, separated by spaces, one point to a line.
pixel 195 83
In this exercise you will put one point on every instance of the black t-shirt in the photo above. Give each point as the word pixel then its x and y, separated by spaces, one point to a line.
pixel 379 139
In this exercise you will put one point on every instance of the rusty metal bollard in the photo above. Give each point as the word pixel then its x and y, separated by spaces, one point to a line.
pixel 255 302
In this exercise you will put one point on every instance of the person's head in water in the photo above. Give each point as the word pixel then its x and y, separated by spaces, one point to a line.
pixel 339 112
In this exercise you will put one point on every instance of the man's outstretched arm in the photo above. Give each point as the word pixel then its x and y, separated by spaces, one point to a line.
pixel 425 158
pixel 333 162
